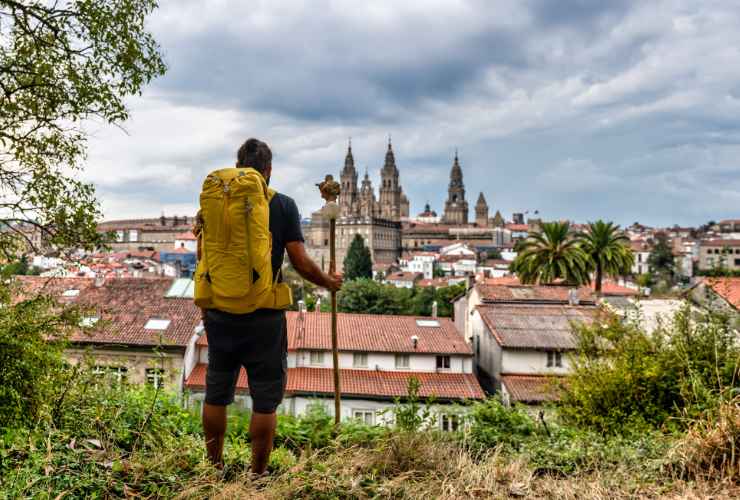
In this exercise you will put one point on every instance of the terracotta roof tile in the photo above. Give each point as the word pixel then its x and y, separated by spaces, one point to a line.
pixel 727 288
pixel 124 305
pixel 508 291
pixel 370 383
pixel 372 333
pixel 537 326
pixel 530 388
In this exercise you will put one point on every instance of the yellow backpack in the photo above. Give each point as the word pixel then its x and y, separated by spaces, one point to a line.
pixel 234 270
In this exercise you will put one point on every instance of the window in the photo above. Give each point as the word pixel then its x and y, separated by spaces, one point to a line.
pixel 317 357
pixel 737 262
pixel 449 423
pixel 402 361
pixel 367 417
pixel 443 362
pixel 155 377
pixel 359 360
pixel 89 321
pixel 157 324
pixel 427 323
pixel 554 359
pixel 117 373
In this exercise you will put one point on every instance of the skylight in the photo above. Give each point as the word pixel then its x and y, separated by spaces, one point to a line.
pixel 181 288
pixel 157 324
pixel 71 293
pixel 88 321
pixel 427 323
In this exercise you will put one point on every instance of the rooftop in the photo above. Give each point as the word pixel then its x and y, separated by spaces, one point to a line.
pixel 535 326
pixel 727 288
pixel 365 383
pixel 125 306
pixel 530 388
pixel 373 333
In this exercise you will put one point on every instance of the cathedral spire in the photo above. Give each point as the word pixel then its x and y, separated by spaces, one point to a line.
pixel 349 160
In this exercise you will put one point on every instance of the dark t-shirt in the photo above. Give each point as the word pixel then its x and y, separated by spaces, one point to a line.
pixel 285 226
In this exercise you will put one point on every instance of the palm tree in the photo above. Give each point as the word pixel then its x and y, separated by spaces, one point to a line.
pixel 607 248
pixel 552 253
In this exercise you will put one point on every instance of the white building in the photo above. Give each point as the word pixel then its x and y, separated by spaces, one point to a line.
pixel 403 280
pixel 524 347
pixel 420 262
pixel 642 252
pixel 378 355
pixel 188 241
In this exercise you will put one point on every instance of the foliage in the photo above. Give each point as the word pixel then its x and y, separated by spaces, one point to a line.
pixel 625 378
pixel 554 253
pixel 372 297
pixel 494 424
pixel 368 296
pixel 63 63
pixel 20 267
pixel 302 289
pixel 32 337
pixel 412 415
pixel 607 248
pixel 358 263
pixel 660 261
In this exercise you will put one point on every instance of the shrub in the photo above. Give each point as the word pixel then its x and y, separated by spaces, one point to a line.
pixel 493 424
pixel 32 338
pixel 624 378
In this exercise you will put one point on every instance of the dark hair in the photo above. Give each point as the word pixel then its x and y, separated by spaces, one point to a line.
pixel 254 153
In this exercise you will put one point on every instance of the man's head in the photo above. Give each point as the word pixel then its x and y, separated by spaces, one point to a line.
pixel 256 154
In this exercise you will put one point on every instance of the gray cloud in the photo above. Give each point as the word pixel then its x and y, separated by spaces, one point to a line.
pixel 623 110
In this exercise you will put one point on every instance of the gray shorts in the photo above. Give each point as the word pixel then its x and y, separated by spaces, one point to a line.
pixel 257 341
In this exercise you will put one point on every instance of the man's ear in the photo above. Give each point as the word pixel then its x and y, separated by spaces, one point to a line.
pixel 268 172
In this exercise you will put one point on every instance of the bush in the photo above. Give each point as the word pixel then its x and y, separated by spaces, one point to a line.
pixel 624 378
pixel 32 338
pixel 493 424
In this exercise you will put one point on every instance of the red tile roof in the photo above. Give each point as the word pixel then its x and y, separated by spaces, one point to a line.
pixel 517 227
pixel 368 383
pixel 531 388
pixel 404 276
pixel 720 243
pixel 535 326
pixel 372 333
pixel 506 289
pixel 609 288
pixel 727 288
pixel 124 306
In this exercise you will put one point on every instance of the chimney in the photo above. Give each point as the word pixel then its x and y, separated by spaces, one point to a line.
pixel 434 309
pixel 573 297
pixel 99 281
pixel 301 308
pixel 414 341
pixel 318 304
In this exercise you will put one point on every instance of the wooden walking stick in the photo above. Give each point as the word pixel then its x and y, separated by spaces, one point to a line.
pixel 330 192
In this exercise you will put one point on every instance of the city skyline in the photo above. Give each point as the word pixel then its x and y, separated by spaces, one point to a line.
pixel 624 111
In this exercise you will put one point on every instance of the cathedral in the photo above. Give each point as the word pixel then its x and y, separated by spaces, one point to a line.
pixel 383 220
pixel 392 205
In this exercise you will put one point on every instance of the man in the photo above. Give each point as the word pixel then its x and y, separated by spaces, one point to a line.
pixel 259 340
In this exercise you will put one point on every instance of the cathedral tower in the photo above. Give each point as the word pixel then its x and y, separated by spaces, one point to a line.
pixel 349 200
pixel 390 190
pixel 456 208
pixel 368 203
pixel 481 211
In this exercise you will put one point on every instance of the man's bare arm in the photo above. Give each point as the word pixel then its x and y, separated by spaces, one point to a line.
pixel 308 269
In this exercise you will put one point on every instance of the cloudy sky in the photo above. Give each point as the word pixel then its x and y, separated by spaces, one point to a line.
pixel 580 109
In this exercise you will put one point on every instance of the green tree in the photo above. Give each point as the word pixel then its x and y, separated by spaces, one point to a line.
pixel 608 249
pixel 358 263
pixel 660 260
pixel 62 63
pixel 551 254
pixel 364 295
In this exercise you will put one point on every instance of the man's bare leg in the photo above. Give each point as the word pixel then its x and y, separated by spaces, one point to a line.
pixel 214 428
pixel 262 434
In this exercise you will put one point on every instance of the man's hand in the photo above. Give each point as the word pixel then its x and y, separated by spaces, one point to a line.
pixel 308 269
pixel 334 282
